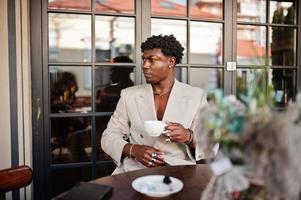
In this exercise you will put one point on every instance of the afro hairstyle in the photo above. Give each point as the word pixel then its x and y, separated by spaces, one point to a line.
pixel 168 44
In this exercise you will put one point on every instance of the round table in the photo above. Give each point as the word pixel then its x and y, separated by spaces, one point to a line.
pixel 194 177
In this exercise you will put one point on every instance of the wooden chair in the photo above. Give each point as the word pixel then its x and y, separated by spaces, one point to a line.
pixel 14 178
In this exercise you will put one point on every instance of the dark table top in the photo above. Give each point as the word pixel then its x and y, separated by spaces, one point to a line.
pixel 194 177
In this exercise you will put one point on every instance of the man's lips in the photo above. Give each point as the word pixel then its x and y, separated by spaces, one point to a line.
pixel 148 75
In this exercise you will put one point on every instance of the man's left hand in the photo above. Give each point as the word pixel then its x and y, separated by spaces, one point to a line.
pixel 177 132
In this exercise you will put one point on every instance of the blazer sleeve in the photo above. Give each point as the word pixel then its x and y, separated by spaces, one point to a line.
pixel 112 141
pixel 196 127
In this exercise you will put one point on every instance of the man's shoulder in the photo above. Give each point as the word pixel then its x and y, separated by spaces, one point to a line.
pixel 191 90
pixel 136 89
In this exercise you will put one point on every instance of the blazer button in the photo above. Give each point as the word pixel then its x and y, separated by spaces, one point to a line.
pixel 141 135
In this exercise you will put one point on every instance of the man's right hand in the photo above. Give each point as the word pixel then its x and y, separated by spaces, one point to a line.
pixel 148 156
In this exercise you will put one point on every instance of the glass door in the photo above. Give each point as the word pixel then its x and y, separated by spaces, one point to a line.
pixel 266 40
pixel 91 57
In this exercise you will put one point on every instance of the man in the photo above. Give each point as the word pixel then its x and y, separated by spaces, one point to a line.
pixel 163 98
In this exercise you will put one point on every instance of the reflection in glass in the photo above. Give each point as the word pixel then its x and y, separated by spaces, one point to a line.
pixel 283 12
pixel 245 78
pixel 113 6
pixel 70 140
pixel 283 46
pixel 251 45
pixel 70 89
pixel 101 125
pixel 176 8
pixel 206 43
pixel 283 82
pixel 109 81
pixel 206 78
pixel 66 178
pixel 69 38
pixel 204 9
pixel 176 27
pixel 181 74
pixel 251 11
pixel 70 4
pixel 114 36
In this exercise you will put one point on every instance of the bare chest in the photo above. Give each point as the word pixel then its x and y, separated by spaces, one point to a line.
pixel 160 105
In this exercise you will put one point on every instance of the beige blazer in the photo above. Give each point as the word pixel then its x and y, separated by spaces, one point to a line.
pixel 136 105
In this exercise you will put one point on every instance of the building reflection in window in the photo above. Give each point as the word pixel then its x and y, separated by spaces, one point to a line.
pixel 206 43
pixel 251 11
pixel 176 8
pixel 204 9
pixel 70 4
pixel 69 38
pixel 251 45
pixel 115 6
pixel 114 36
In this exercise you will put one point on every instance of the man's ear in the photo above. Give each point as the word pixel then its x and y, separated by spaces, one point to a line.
pixel 172 62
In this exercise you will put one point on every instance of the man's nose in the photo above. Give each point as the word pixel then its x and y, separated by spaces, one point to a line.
pixel 145 64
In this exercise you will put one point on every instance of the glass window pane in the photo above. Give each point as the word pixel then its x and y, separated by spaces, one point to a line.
pixel 283 82
pixel 176 27
pixel 65 179
pixel 181 74
pixel 283 12
pixel 251 11
pixel 206 43
pixel 206 78
pixel 204 9
pixel 101 125
pixel 244 79
pixel 70 89
pixel 70 140
pixel 251 45
pixel 113 6
pixel 176 8
pixel 69 38
pixel 109 81
pixel 114 36
pixel 70 4
pixel 283 46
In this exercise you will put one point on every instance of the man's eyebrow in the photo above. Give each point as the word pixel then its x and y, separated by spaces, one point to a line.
pixel 151 56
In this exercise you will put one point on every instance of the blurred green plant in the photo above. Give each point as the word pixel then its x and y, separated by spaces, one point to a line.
pixel 226 115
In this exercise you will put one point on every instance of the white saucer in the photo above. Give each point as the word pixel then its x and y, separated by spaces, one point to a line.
pixel 154 186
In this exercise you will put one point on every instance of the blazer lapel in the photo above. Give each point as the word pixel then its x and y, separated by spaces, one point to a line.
pixel 180 107
pixel 145 104
pixel 177 109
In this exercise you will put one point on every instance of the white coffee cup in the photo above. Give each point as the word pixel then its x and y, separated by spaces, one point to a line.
pixel 154 128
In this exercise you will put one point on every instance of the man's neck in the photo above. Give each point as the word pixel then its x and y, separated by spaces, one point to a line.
pixel 163 86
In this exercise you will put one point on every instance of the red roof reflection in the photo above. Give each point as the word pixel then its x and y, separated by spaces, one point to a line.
pixel 164 7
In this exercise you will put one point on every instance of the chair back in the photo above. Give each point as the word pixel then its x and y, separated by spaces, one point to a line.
pixel 14 178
